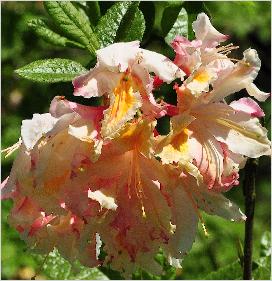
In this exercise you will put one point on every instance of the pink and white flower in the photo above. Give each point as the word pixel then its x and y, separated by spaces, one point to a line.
pixel 122 74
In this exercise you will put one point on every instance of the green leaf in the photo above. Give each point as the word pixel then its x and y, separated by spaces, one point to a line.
pixel 57 268
pixel 180 27
pixel 169 16
pixel 84 273
pixel 118 17
pixel 148 10
pixel 263 271
pixel 42 30
pixel 266 244
pixel 132 26
pixel 93 11
pixel 72 23
pixel 51 70
pixel 166 13
pixel 231 271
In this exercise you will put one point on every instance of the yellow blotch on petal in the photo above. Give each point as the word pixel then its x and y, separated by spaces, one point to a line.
pixel 202 77
pixel 179 142
pixel 125 101
pixel 177 149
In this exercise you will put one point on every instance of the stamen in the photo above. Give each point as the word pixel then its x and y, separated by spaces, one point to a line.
pixel 12 148
pixel 137 184
pixel 232 125
pixel 227 49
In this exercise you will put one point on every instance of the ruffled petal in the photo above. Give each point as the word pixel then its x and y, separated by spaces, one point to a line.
pixel 33 130
pixel 96 83
pixel 239 78
pixel 239 130
pixel 216 204
pixel 163 67
pixel 259 95
pixel 188 57
pixel 118 56
pixel 185 222
pixel 205 32
pixel 124 104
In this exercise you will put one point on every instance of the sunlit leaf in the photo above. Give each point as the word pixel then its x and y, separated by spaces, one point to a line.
pixel 72 23
pixel 42 30
pixel 51 70
pixel 180 27
pixel 122 21
pixel 132 26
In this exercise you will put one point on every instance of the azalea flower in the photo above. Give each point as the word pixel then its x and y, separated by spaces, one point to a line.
pixel 129 200
pixel 122 75
pixel 206 63
pixel 87 179
pixel 206 132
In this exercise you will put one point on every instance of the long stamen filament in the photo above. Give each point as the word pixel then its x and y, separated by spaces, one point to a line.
pixel 11 149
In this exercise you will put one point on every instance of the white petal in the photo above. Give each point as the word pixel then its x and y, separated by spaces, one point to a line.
pixel 160 65
pixel 259 95
pixel 242 75
pixel 32 130
pixel 95 83
pixel 98 245
pixel 104 200
pixel 117 57
pixel 216 204
pixel 205 32
pixel 83 133
pixel 240 131
pixel 185 218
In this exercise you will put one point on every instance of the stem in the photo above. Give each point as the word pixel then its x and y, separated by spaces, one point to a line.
pixel 249 194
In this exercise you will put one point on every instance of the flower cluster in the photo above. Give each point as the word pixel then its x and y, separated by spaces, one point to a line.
pixel 90 178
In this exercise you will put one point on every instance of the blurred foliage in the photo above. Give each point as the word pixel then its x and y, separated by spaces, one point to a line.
pixel 248 23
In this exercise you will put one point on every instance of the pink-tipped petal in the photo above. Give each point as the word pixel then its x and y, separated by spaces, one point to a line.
pixel 249 106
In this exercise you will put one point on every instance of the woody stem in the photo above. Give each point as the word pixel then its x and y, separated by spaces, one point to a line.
pixel 249 194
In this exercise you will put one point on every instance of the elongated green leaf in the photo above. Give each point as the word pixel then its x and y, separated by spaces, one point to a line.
pixel 132 26
pixel 148 10
pixel 180 27
pixel 72 23
pixel 93 11
pixel 166 13
pixel 109 24
pixel 42 30
pixel 138 27
pixel 51 70
pixel 169 16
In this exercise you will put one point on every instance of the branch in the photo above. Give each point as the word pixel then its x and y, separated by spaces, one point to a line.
pixel 249 194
